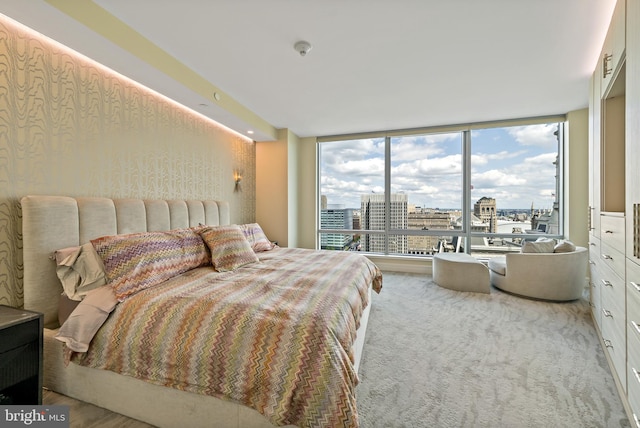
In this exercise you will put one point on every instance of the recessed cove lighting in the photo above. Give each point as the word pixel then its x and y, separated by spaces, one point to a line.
pixel 83 60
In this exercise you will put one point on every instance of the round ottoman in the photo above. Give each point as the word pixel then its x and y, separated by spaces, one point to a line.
pixel 460 272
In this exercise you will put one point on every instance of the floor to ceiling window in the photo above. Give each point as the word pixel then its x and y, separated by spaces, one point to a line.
pixel 516 176
pixel 480 189
pixel 427 170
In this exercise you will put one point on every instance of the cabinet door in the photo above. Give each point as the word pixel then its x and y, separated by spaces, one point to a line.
pixel 613 50
pixel 633 336
pixel 632 157
pixel 614 337
pixel 594 156
pixel 633 374
pixel 595 281
pixel 633 298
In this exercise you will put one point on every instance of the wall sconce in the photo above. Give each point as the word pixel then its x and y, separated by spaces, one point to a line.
pixel 237 178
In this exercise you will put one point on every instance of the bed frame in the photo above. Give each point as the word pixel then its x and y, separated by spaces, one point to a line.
pixel 50 223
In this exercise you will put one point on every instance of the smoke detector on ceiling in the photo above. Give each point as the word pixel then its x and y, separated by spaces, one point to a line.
pixel 302 47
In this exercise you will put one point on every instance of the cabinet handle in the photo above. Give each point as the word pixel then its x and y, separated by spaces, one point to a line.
pixel 636 374
pixel 636 286
pixel 607 313
pixel 606 60
pixel 636 230
pixel 607 257
pixel 608 231
pixel 607 283
pixel 591 262
pixel 608 344
pixel 592 243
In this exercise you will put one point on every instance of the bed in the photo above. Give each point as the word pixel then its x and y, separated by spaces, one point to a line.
pixel 316 387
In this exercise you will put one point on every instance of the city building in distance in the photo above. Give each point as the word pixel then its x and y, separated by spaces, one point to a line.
pixel 486 217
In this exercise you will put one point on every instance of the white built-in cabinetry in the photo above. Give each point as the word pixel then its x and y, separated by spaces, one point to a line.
pixel 614 200
pixel 632 205
pixel 613 49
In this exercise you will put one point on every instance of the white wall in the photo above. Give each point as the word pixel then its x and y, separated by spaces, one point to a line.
pixel 272 188
pixel 307 212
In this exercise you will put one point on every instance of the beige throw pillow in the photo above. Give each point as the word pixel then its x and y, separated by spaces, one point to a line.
pixel 229 247
pixel 564 247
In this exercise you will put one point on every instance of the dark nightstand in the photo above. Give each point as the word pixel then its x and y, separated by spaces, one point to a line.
pixel 20 356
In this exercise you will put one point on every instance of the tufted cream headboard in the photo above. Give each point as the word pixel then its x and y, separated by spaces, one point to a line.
pixel 51 223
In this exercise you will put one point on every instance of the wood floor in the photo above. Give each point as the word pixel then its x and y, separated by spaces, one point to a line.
pixel 84 415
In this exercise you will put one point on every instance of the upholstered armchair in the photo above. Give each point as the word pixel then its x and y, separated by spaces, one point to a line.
pixel 557 276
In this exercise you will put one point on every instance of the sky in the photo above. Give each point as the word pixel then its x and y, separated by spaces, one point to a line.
pixel 514 165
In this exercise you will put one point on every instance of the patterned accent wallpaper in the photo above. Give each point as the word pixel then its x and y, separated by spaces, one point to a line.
pixel 69 126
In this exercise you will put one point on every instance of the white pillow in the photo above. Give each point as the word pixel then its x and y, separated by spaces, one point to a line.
pixel 541 246
pixel 80 270
pixel 87 318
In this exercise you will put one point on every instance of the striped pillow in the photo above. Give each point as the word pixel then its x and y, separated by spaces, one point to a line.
pixel 141 260
pixel 256 237
pixel 229 247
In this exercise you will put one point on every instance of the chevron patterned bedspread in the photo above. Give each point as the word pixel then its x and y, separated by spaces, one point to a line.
pixel 274 335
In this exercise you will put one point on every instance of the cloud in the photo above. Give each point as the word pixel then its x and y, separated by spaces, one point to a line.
pixel 479 159
pixel 424 146
pixel 494 178
pixel 546 159
pixel 444 165
pixel 411 186
pixel 547 193
pixel 336 151
pixel 335 187
pixel 535 135
pixel 366 167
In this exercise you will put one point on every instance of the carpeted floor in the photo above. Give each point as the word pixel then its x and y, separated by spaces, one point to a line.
pixel 441 358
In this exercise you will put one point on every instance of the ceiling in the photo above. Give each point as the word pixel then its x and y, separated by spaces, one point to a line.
pixel 374 64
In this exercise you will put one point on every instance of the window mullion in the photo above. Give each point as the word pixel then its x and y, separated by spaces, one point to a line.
pixel 560 167
pixel 387 192
pixel 466 188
